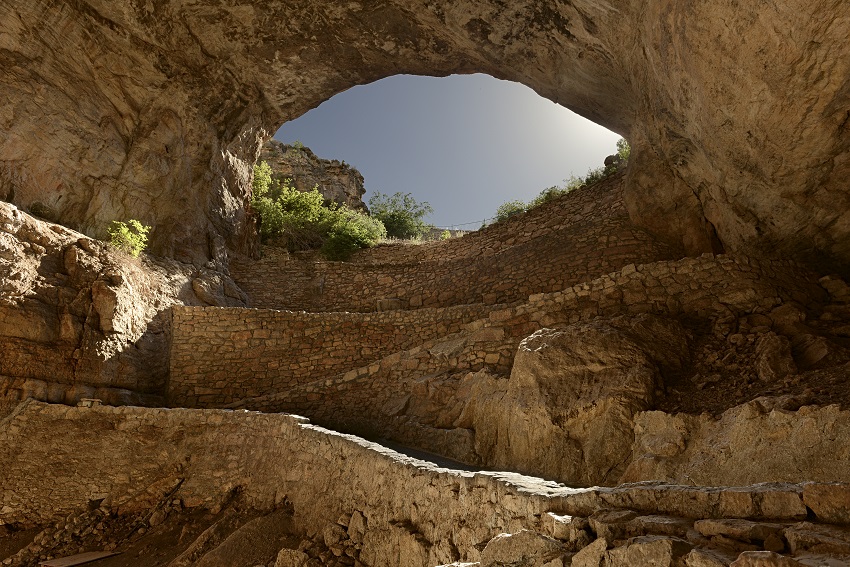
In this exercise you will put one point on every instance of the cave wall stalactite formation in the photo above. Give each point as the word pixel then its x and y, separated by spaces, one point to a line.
pixel 737 114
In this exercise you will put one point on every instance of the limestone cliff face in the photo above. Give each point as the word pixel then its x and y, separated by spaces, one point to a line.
pixel 337 181
pixel 79 319
pixel 738 114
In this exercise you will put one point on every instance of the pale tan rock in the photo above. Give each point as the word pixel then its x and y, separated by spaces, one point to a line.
pixel 567 412
pixel 648 550
pixel 291 558
pixel 333 534
pixel 807 537
pixel 659 525
pixel 70 298
pixel 829 501
pixel 571 529
pixel 611 524
pixel 704 558
pixel 764 559
pixel 774 360
pixel 356 527
pixel 393 545
pixel 591 556
pixel 738 529
pixel 707 450
pixel 336 181
pixel 526 548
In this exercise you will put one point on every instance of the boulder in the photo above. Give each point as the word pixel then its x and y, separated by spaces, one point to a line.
pixel 567 411
pixel 291 558
pixel 810 443
pixel 657 551
pixel 522 549
pixel 828 501
pixel 764 559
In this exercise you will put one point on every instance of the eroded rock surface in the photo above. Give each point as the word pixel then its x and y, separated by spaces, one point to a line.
pixel 78 319
pixel 337 181
pixel 568 407
pixel 737 114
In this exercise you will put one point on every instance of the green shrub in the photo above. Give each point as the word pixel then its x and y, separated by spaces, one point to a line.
pixel 597 174
pixel 351 231
pixel 624 150
pixel 510 209
pixel 130 237
pixel 547 195
pixel 401 214
pixel 445 235
pixel 298 220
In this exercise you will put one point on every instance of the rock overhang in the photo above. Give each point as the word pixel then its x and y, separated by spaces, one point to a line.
pixel 737 115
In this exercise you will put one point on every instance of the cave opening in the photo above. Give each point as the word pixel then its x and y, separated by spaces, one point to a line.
pixel 464 143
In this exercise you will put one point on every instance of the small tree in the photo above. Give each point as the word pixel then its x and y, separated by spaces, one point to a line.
pixel 130 237
pixel 350 231
pixel 401 214
pixel 263 180
pixel 624 150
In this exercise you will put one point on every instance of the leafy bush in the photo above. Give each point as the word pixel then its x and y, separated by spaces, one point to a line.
pixel 401 214
pixel 299 220
pixel 130 237
pixel 624 150
pixel 510 209
pixel 351 231
pixel 547 195
pixel 445 235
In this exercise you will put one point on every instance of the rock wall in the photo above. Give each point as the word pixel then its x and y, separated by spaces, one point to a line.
pixel 79 319
pixel 337 181
pixel 393 509
pixel 737 115
pixel 221 355
pixel 808 441
pixel 573 239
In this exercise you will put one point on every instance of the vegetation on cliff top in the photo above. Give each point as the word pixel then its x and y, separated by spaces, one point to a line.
pixel 401 214
pixel 593 176
pixel 299 220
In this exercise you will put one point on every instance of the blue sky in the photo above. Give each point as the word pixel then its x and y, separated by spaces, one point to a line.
pixel 465 144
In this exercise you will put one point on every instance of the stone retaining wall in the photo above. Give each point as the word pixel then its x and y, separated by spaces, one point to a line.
pixel 572 239
pixel 706 287
pixel 219 355
pixel 58 459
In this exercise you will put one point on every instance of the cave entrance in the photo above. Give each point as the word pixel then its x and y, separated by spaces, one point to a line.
pixel 464 143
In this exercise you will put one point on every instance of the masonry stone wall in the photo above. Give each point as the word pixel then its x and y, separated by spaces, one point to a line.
pixel 365 399
pixel 219 355
pixel 572 239
pixel 55 460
